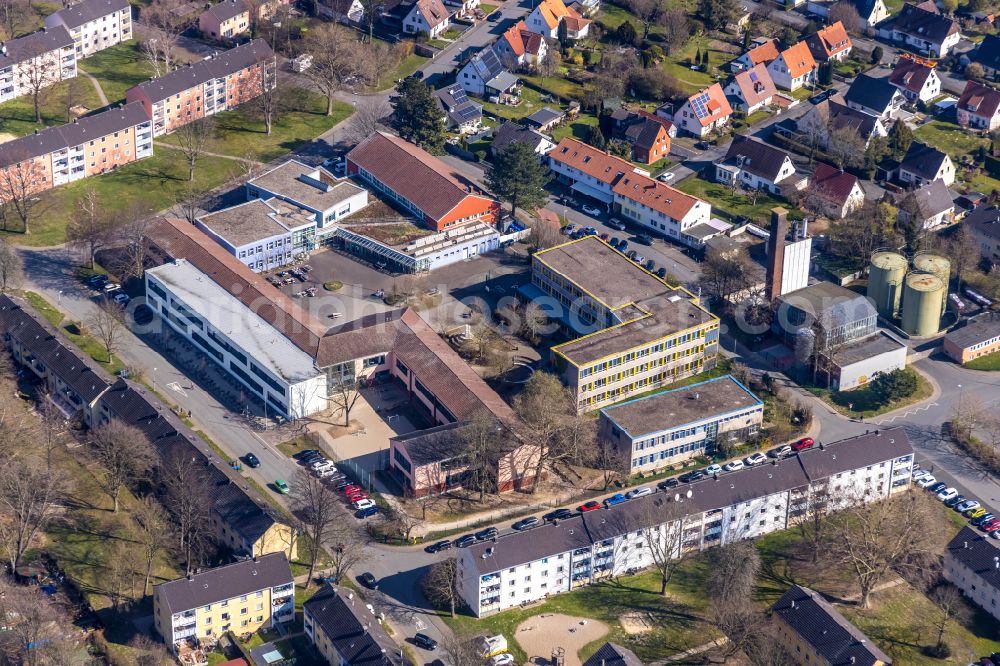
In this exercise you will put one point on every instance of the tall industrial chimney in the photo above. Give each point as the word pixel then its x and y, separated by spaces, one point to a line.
pixel 776 251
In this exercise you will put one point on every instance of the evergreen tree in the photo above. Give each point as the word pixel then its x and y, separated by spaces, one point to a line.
pixel 626 33
pixel 825 74
pixel 876 55
pixel 697 57
pixel 419 118
pixel 597 139
pixel 900 138
pixel 518 176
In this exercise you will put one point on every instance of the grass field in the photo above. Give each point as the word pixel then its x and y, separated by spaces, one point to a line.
pixel 578 128
pixel 989 362
pixel 733 204
pixel 17 116
pixel 118 69
pixel 951 138
pixel 863 400
pixel 154 184
pixel 240 133
pixel 407 66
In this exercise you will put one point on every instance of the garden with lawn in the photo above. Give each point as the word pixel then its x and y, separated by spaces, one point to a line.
pixel 989 362
pixel 951 138
pixel 117 69
pixel 733 204
pixel 59 105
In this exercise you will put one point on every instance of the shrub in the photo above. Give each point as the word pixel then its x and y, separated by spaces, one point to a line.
pixel 653 84
pixel 333 285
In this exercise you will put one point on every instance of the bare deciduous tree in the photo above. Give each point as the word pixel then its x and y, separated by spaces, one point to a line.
pixel 12 13
pixel 346 549
pixel 151 534
pixel 89 227
pixel 461 651
pixel 871 540
pixel 35 627
pixel 482 442
pixel 132 235
pixel 735 567
pixel 38 69
pixel 367 119
pixel 193 140
pixel 124 455
pixel 11 267
pixel 20 184
pixel 664 544
pixel 317 510
pixel 344 395
pixel 108 322
pixel 337 58
pixel 951 607
pixel 29 498
pixel 440 584
pixel 184 480
pixel 847 13
pixel 269 99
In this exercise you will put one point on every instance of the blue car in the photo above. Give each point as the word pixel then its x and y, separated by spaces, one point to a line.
pixel 365 513
pixel 617 498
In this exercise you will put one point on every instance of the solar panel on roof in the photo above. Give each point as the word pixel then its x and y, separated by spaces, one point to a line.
pixel 753 77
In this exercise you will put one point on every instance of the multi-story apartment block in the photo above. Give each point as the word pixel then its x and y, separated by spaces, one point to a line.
pixel 675 425
pixel 94 24
pixel 972 564
pixel 86 147
pixel 36 61
pixel 213 85
pixel 81 389
pixel 528 566
pixel 638 333
pixel 241 597
pixel 344 630
pixel 225 20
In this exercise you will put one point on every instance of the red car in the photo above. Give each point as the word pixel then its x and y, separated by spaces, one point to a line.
pixel 990 525
pixel 360 495
pixel 803 443
pixel 351 488
pixel 592 505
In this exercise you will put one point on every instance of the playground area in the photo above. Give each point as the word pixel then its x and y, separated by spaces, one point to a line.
pixel 552 637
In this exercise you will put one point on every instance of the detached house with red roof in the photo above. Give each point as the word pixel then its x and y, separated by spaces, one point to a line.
pixel 704 112
pixel 924 29
pixel 836 193
pixel 552 16
pixel 647 136
pixel 429 16
pixel 794 67
pixel 751 89
pixel 915 80
pixel 762 54
pixel 979 107
pixel 420 182
pixel 520 46
pixel 830 43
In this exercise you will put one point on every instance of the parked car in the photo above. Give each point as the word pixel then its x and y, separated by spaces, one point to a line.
pixel 639 492
pixel 568 229
pixel 979 520
pixel 525 523
pixel 281 486
pixel 368 580
pixel 121 298
pixel 623 246
pixel 926 481
pixel 590 210
pixel 952 502
pixel 615 223
pixel 350 487
pixel 304 453
pixel 366 513
pixel 252 460
pixel 803 444
pixel 650 265
pixel 733 466
pixel 937 487
pixel 989 525
pixel 713 469
pixel 667 484
pixel 439 546
pixel 638 258
pixel 466 541
pixel 617 498
pixel 97 281
pixel 320 464
pixel 691 476
pixel 424 641
pixel 326 473
pixel 779 452
pixel 487 534
pixel 592 505
pixel 644 239
pixel 703 145
pixel 363 504
pixel 605 237
pixel 666 177
pixel 111 287
pixel 975 513
pixel 755 459
pixel 918 474
pixel 495 16
pixel 967 505
pixel 502 659
pixel 946 494
pixel 558 514
pixel 661 272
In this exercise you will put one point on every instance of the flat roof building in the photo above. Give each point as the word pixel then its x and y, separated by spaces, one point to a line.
pixel 635 332
pixel 241 597
pixel 675 425
pixel 978 338
pixel 259 232
pixel 855 364
pixel 814 632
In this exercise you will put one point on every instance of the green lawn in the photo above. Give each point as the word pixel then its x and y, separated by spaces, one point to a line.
pixel 118 69
pixel 578 128
pixel 531 101
pixel 951 138
pixel 17 116
pixel 487 8
pixel 74 333
pixel 757 116
pixel 240 133
pixel 988 362
pixel 984 183
pixel 152 184
pixel 864 402
pixel 678 619
pixel 732 204
pixel 677 64
pixel 557 85
pixel 407 66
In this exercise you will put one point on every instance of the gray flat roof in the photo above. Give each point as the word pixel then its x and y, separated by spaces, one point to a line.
pixel 228 314
pixel 310 186
pixel 244 223
pixel 862 350
pixel 603 272
pixel 671 409
pixel 976 332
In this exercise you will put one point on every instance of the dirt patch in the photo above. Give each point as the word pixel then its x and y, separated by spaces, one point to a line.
pixel 541 636
pixel 7 136
pixel 636 623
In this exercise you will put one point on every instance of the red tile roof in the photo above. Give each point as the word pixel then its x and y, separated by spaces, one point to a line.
pixel 832 184
pixel 764 53
pixel 413 173
pixel 522 40
pixel 756 84
pixel 799 59
pixel 591 161
pixel 910 74
pixel 655 195
pixel 979 99
pixel 433 11
pixel 710 104
pixel 830 41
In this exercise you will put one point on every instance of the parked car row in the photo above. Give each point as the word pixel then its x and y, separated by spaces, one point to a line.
pixel 324 468
pixel 967 506
pixel 102 285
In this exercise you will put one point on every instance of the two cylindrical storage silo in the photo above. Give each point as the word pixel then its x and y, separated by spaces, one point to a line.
pixel 939 266
pixel 885 282
pixel 924 296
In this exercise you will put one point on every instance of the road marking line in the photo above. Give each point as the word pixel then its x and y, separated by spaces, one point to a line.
pixel 175 386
